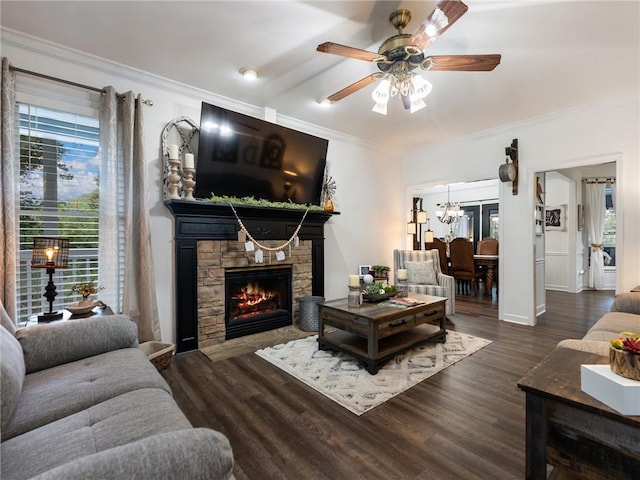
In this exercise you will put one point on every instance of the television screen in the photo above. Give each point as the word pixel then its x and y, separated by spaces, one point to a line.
pixel 243 156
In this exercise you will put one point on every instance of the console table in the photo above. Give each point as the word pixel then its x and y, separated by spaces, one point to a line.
pixel 570 429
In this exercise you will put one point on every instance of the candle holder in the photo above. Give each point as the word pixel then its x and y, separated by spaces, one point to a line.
pixel 189 182
pixel 174 178
pixel 354 299
pixel 403 287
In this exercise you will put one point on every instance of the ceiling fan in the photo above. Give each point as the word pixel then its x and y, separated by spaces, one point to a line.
pixel 401 54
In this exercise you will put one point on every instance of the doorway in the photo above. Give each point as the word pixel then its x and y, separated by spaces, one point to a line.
pixel 562 254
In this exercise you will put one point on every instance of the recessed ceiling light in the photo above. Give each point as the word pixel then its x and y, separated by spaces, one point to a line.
pixel 249 73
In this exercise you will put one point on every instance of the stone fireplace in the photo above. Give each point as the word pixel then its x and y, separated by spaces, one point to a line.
pixel 208 255
pixel 220 259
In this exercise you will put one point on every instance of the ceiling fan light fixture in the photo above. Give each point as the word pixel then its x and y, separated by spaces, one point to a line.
pixel 421 87
pixel 380 108
pixel 381 93
pixel 324 102
pixel 416 104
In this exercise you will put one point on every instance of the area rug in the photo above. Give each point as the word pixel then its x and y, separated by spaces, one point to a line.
pixel 341 378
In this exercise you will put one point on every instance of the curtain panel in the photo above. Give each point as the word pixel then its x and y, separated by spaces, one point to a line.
pixel 8 182
pixel 126 234
pixel 595 211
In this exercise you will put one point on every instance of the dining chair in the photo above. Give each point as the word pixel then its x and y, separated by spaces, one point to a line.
pixel 463 267
pixel 439 245
pixel 488 246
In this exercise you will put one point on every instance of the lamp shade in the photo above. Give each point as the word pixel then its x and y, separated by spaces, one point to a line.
pixel 411 228
pixel 428 236
pixel 50 252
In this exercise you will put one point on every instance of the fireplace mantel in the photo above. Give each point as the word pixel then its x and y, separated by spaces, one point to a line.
pixel 199 220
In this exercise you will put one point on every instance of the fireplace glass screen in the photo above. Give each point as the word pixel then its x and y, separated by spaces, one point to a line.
pixel 257 300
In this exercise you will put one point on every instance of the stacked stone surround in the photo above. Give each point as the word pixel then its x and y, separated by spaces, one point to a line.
pixel 215 256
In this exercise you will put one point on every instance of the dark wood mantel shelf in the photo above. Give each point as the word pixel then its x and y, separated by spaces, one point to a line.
pixel 202 220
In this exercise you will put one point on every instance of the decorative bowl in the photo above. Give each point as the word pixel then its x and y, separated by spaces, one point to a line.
pixel 81 308
pixel 378 298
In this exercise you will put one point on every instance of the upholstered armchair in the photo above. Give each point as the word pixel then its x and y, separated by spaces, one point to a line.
pixel 420 264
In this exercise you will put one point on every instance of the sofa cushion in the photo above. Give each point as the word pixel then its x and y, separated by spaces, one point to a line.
pixel 627 302
pixel 617 322
pixel 421 273
pixel 115 422
pixel 50 344
pixel 12 373
pixel 54 393
pixel 196 454
pixel 599 347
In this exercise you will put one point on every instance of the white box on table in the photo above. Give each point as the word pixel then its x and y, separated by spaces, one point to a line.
pixel 620 393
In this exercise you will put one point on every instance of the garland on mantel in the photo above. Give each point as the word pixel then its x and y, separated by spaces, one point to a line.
pixel 258 255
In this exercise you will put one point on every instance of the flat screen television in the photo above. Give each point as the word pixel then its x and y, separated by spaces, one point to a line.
pixel 242 156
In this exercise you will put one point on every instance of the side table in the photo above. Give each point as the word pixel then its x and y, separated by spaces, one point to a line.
pixel 570 429
pixel 67 315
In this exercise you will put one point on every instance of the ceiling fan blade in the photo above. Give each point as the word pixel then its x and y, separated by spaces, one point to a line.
pixel 343 50
pixel 354 87
pixel 406 101
pixel 462 63
pixel 446 13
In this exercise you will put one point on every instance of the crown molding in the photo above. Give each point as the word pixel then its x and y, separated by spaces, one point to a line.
pixel 128 74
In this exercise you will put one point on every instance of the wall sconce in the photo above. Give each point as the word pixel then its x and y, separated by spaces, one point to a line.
pixel 50 253
pixel 508 172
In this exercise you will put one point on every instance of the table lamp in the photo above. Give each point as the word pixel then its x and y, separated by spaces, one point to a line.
pixel 50 253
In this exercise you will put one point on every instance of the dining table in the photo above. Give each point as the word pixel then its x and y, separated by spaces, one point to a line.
pixel 490 262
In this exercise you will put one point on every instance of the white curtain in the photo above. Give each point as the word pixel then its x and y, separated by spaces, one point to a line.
pixel 125 231
pixel 595 211
pixel 8 182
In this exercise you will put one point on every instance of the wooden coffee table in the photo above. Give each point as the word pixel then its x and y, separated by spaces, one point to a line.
pixel 374 333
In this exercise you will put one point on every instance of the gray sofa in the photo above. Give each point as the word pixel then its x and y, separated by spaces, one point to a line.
pixel 80 400
pixel 623 317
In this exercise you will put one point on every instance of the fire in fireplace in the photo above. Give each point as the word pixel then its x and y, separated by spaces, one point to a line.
pixel 256 300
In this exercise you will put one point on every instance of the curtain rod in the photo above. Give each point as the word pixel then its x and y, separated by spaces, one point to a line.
pixel 68 82
pixel 599 180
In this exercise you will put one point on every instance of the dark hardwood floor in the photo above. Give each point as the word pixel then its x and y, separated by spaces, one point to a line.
pixel 466 422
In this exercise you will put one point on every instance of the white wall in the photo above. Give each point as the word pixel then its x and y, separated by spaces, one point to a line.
pixel 563 140
pixel 365 232
pixel 557 244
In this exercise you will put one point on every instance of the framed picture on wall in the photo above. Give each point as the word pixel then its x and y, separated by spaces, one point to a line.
pixel 555 218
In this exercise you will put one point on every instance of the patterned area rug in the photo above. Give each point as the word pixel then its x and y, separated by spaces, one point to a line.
pixel 342 379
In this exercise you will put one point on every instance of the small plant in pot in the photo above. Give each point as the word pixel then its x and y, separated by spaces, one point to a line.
pixel 624 355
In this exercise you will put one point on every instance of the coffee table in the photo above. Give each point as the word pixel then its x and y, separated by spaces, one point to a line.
pixel 374 333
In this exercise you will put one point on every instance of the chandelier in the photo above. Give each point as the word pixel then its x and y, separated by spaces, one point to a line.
pixel 411 87
pixel 449 212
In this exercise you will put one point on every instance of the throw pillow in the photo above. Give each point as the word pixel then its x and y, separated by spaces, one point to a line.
pixel 421 273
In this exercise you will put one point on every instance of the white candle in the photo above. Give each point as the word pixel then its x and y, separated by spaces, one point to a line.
pixel 173 152
pixel 354 280
pixel 402 274
pixel 188 161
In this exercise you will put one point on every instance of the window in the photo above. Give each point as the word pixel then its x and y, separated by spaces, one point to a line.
pixel 609 232
pixel 59 179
